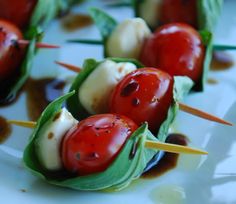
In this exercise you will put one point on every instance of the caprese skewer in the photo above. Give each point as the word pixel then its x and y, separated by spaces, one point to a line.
pixel 177 48
pixel 197 13
pixel 105 151
pixel 16 55
pixel 121 86
pixel 27 13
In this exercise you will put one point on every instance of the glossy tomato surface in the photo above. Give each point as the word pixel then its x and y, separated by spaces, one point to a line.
pixel 93 144
pixel 144 95
pixel 181 11
pixel 177 49
pixel 17 11
pixel 11 54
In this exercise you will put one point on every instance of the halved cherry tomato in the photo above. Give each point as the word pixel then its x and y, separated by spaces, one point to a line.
pixel 175 48
pixel 93 144
pixel 11 54
pixel 17 11
pixel 144 95
pixel 179 11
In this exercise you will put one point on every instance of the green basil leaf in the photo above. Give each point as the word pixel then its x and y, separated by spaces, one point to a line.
pixel 105 23
pixel 45 11
pixel 125 168
pixel 208 13
pixel 73 103
pixel 208 43
pixel 30 157
pixel 182 86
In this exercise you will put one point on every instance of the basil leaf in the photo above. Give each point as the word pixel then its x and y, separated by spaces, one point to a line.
pixel 208 43
pixel 105 23
pixel 73 103
pixel 30 157
pixel 125 168
pixel 182 86
pixel 45 11
pixel 208 13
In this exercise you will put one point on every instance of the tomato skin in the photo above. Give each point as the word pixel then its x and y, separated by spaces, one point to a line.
pixel 173 11
pixel 11 54
pixel 144 95
pixel 177 49
pixel 17 11
pixel 93 144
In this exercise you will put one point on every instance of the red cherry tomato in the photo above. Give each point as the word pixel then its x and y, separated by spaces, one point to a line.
pixel 177 49
pixel 17 11
pixel 144 95
pixel 93 144
pixel 11 55
pixel 184 11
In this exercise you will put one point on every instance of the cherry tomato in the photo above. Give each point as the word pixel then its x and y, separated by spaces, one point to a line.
pixel 184 11
pixel 144 95
pixel 93 144
pixel 17 11
pixel 177 49
pixel 11 55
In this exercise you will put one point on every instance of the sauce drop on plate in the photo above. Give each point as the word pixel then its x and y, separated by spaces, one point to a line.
pixel 73 22
pixel 221 61
pixel 5 129
pixel 169 160
pixel 212 81
pixel 40 92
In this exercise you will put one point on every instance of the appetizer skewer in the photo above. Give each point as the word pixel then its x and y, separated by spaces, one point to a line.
pixel 177 48
pixel 28 13
pixel 163 107
pixel 105 151
pixel 197 13
pixel 30 16
pixel 16 57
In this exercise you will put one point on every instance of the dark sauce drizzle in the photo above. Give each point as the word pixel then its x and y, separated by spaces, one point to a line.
pixel 157 167
pixel 72 22
pixel 40 92
pixel 221 61
pixel 5 129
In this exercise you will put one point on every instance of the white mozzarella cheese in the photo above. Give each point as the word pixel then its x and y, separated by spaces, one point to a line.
pixel 127 38
pixel 50 137
pixel 149 10
pixel 94 93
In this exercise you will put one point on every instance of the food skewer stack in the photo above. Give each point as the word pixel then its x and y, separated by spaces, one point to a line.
pixel 132 108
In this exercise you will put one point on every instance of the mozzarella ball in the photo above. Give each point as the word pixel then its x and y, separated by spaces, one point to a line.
pixel 127 38
pixel 95 91
pixel 49 140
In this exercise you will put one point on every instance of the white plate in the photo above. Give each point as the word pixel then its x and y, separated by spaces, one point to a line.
pixel 209 179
